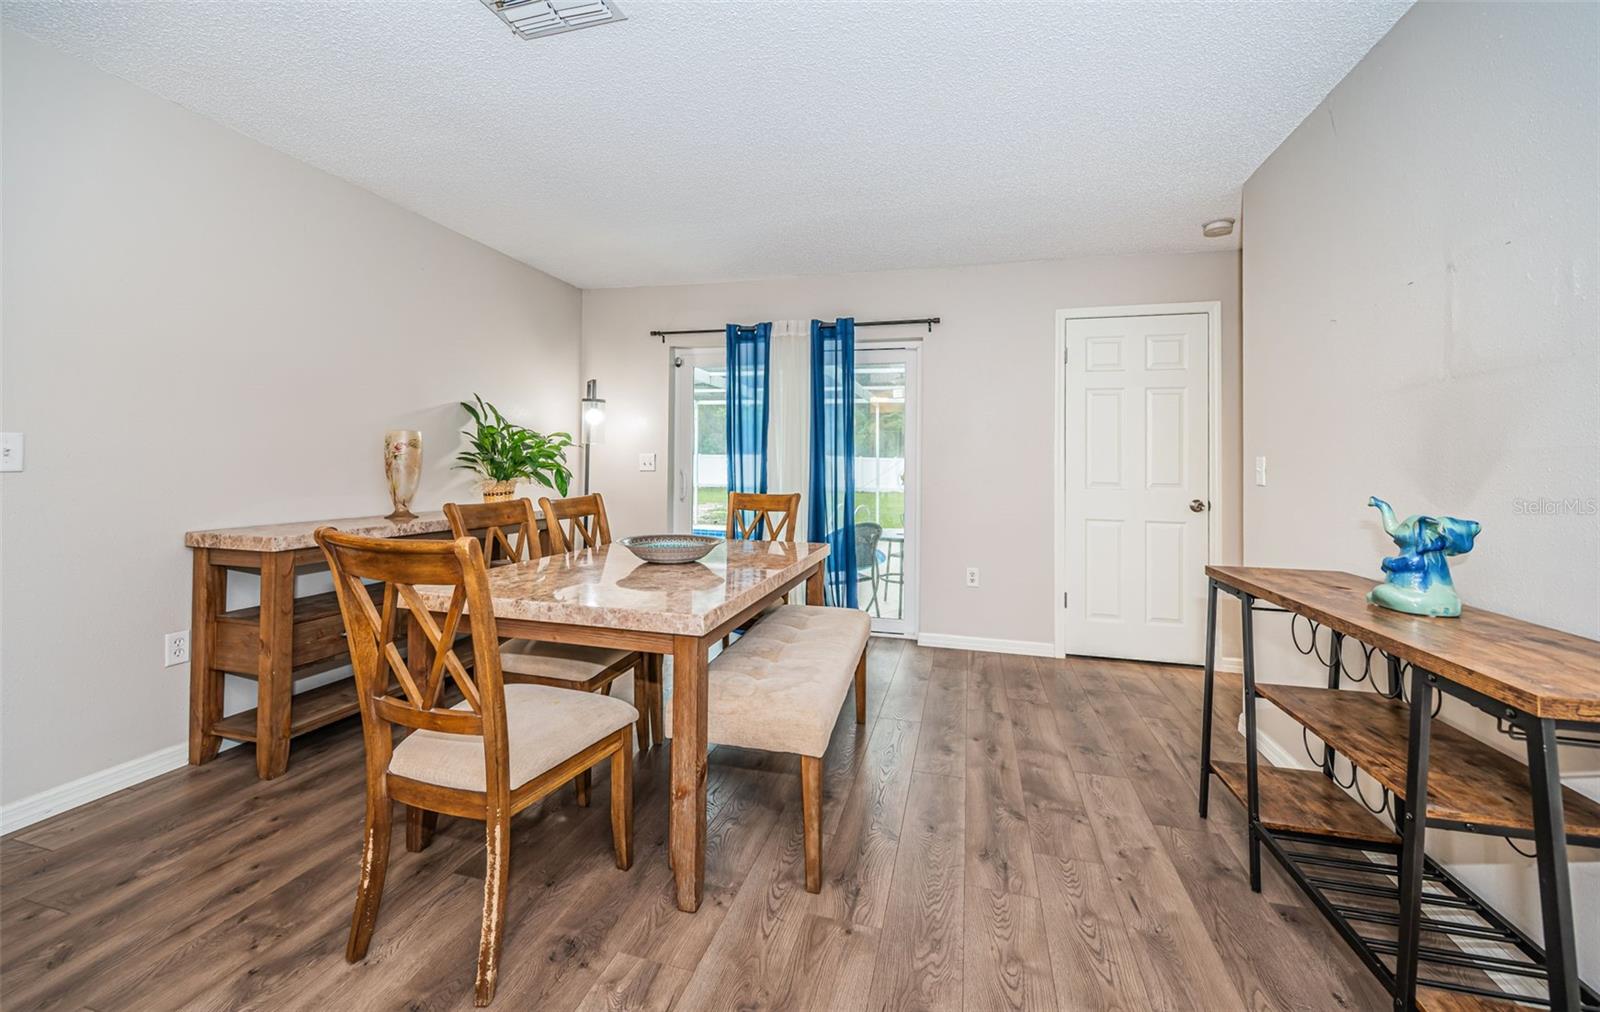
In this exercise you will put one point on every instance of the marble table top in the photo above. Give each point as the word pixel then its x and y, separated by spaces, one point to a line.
pixel 611 588
pixel 292 536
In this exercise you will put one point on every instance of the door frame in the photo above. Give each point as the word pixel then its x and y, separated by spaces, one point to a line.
pixel 1213 314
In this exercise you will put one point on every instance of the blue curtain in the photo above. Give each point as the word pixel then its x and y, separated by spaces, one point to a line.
pixel 833 451
pixel 748 350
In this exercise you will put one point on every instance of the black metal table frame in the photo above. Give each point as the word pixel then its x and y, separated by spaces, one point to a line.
pixel 1405 880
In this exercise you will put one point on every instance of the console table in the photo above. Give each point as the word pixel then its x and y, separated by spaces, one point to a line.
pixel 283 639
pixel 1537 682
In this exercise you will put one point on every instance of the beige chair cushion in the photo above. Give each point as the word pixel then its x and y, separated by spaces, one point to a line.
pixel 545 726
pixel 780 685
pixel 556 660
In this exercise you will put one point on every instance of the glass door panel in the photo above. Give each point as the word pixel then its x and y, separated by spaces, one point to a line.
pixel 700 453
pixel 885 474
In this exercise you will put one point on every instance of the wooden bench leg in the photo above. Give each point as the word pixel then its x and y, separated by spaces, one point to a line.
pixel 811 813
pixel 861 688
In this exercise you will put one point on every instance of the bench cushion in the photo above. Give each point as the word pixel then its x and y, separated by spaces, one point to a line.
pixel 545 726
pixel 779 687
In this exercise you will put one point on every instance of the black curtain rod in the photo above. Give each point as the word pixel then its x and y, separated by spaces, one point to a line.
pixel 928 320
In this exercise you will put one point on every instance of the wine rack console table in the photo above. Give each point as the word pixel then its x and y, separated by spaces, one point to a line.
pixel 278 642
pixel 1373 880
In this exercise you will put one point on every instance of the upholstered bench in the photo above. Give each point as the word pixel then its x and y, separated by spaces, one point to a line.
pixel 779 687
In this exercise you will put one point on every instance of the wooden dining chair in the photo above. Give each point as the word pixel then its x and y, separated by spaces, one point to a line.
pixel 580 522
pixel 509 533
pixel 498 751
pixel 762 516
pixel 576 523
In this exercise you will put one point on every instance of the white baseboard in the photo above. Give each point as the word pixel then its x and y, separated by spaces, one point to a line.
pixel 1271 751
pixel 949 642
pixel 1232 665
pixel 38 807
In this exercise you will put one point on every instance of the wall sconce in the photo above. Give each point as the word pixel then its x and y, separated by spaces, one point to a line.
pixel 592 426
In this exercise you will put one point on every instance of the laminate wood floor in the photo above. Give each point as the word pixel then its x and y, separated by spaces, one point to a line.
pixel 1004 833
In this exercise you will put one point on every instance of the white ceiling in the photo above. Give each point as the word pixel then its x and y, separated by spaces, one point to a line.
pixel 705 141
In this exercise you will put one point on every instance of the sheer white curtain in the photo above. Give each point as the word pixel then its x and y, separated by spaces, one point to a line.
pixel 789 415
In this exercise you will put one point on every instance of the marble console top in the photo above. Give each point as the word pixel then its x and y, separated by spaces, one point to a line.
pixel 289 537
pixel 611 588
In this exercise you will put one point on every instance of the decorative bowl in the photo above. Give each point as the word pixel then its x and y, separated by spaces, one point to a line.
pixel 670 549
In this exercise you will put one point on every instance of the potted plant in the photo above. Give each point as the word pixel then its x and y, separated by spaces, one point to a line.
pixel 505 453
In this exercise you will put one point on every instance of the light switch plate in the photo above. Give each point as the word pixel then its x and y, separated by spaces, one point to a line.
pixel 11 451
pixel 1261 471
pixel 647 462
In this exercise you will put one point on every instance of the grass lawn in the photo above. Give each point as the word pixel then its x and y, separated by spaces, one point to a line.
pixel 711 508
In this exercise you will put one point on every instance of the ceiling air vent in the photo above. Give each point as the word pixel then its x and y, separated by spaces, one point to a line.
pixel 534 19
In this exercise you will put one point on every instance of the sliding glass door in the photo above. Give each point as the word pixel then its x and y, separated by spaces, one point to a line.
pixel 699 441
pixel 886 427
pixel 886 486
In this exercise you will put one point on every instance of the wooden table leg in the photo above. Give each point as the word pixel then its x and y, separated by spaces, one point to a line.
pixel 688 835
pixel 275 665
pixel 205 682
pixel 814 584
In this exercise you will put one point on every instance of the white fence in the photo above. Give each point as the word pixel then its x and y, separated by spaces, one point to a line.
pixel 873 474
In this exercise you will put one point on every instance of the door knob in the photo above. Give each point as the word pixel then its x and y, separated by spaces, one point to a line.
pixel 1196 506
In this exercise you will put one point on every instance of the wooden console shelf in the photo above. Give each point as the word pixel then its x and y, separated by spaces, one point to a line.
pixel 313 708
pixel 1304 801
pixel 281 640
pixel 1469 781
pixel 1537 683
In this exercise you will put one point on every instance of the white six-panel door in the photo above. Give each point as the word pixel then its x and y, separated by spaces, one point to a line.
pixel 1135 486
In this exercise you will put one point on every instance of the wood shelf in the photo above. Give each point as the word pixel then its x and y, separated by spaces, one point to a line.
pixel 1468 781
pixel 308 711
pixel 1304 801
pixel 1430 999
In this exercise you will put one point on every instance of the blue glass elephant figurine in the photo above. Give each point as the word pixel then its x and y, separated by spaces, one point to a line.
pixel 1419 578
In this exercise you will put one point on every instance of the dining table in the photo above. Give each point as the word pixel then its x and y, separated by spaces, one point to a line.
pixel 607 597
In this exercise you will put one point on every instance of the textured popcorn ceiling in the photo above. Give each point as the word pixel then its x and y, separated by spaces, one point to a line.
pixel 707 141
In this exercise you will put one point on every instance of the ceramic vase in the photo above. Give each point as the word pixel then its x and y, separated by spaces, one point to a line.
pixel 402 464
pixel 499 491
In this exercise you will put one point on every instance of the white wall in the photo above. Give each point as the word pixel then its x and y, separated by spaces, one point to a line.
pixel 200 332
pixel 1420 285
pixel 988 396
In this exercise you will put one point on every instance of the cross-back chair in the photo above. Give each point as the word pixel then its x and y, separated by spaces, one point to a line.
pixel 495 753
pixel 509 532
pixel 580 522
pixel 576 523
pixel 761 516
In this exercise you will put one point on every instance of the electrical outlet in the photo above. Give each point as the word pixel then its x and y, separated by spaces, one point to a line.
pixel 647 462
pixel 175 647
pixel 972 576
pixel 1261 471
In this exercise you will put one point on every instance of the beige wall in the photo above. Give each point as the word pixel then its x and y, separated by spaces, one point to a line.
pixel 200 331
pixel 1420 285
pixel 988 395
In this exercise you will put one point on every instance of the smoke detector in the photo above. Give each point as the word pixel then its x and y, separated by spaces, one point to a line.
pixel 1217 229
pixel 534 19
